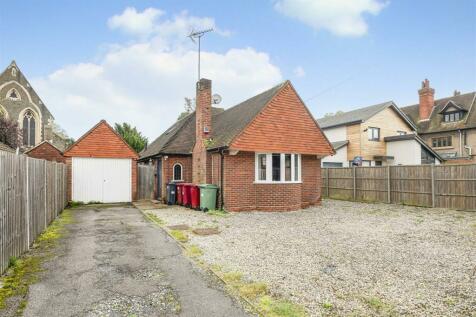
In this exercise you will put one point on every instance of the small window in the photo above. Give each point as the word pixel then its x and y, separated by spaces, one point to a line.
pixel 14 72
pixel 13 94
pixel 401 132
pixel 441 141
pixel 378 163
pixel 262 167
pixel 374 134
pixel 178 172
pixel 278 168
pixel 287 167
pixel 332 164
pixel 29 128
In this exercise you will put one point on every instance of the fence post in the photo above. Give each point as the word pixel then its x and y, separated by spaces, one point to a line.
pixel 46 196
pixel 353 176
pixel 433 203
pixel 27 205
pixel 327 182
pixel 388 185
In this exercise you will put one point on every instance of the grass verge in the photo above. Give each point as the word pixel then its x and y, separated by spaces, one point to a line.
pixel 179 235
pixel 24 271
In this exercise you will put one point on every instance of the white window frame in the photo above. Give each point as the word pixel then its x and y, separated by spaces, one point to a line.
pixel 181 173
pixel 269 169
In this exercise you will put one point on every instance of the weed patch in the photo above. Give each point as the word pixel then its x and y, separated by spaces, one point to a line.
pixel 193 251
pixel 279 308
pixel 218 213
pixel 179 235
pixel 155 219
pixel 252 291
pixel 233 278
pixel 379 305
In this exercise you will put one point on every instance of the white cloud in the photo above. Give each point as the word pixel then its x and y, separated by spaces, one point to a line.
pixel 145 82
pixel 299 71
pixel 341 17
pixel 133 22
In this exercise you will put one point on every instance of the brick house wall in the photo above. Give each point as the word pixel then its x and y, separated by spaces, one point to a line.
pixel 46 151
pixel 102 142
pixel 167 170
pixel 242 194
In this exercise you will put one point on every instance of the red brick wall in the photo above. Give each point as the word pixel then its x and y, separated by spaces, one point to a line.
pixel 242 194
pixel 167 170
pixel 47 152
pixel 284 126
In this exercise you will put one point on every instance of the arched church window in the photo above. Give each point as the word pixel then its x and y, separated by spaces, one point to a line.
pixel 28 128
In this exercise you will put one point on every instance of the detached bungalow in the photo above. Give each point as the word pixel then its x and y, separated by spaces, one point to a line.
pixel 264 153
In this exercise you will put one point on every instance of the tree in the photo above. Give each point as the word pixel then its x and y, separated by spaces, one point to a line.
pixel 133 137
pixel 331 114
pixel 189 107
pixel 10 133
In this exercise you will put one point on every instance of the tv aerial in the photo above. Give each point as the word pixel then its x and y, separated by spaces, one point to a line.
pixel 198 35
pixel 216 99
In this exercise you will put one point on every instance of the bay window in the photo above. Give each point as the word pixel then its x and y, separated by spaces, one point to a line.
pixel 277 168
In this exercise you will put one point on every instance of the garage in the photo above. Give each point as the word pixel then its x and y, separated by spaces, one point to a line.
pixel 102 167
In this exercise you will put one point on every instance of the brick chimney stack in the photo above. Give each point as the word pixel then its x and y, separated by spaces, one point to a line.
pixel 427 100
pixel 203 129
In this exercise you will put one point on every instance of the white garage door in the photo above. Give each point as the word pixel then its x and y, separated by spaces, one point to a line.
pixel 101 179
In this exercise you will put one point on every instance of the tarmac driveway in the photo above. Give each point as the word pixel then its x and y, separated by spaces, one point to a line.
pixel 115 263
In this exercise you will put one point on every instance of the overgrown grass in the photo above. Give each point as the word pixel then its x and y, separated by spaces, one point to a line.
pixel 24 271
pixel 156 219
pixel 279 308
pixel 379 306
pixel 233 278
pixel 179 235
pixel 74 204
pixel 193 251
pixel 252 291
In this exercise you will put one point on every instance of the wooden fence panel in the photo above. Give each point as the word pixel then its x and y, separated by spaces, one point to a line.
pixel 446 186
pixel 32 194
pixel 145 181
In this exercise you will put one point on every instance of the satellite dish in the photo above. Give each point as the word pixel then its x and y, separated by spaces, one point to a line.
pixel 216 99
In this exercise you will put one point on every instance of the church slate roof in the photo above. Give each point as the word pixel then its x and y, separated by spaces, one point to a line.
pixel 435 123
pixel 226 124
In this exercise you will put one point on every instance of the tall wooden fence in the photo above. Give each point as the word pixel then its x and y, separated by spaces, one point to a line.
pixel 145 181
pixel 32 194
pixel 446 186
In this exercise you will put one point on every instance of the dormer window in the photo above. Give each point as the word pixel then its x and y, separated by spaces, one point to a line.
pixel 453 116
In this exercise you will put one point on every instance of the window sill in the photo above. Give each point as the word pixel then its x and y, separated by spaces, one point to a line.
pixel 443 147
pixel 275 183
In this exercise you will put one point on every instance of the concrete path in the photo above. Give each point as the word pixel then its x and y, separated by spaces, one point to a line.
pixel 115 263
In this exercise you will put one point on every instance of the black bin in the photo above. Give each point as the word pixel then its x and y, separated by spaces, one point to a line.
pixel 171 193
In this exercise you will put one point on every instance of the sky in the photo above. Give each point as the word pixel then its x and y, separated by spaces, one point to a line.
pixel 131 61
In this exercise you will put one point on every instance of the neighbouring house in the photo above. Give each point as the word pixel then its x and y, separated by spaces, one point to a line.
pixel 20 102
pixel 6 148
pixel 46 151
pixel 369 133
pixel 264 153
pixel 102 167
pixel 447 125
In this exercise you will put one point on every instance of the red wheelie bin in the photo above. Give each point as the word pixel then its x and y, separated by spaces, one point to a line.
pixel 179 193
pixel 194 197
pixel 186 201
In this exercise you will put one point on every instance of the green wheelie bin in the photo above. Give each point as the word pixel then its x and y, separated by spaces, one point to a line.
pixel 208 197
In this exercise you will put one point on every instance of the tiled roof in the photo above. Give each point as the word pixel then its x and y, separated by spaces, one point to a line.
pixel 180 137
pixel 435 122
pixel 354 116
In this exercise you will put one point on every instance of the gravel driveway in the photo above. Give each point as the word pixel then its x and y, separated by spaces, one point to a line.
pixel 115 263
pixel 346 258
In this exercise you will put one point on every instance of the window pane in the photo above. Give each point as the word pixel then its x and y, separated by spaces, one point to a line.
pixel 31 135
pixel 296 167
pixel 287 167
pixel 177 172
pixel 449 141
pixel 262 167
pixel 370 133
pixel 25 130
pixel 276 167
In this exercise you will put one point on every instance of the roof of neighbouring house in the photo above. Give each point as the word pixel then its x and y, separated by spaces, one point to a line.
pixel 6 148
pixel 339 144
pixel 44 143
pixel 411 136
pixel 465 102
pixel 180 137
pixel 359 115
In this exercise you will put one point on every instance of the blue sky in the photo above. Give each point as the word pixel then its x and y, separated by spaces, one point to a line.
pixel 88 66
